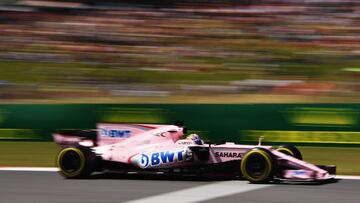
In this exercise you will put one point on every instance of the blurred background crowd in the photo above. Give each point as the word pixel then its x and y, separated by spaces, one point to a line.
pixel 114 48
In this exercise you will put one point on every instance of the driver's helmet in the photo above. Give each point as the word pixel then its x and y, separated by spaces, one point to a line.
pixel 196 138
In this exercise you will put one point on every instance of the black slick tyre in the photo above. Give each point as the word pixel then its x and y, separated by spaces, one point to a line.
pixel 76 162
pixel 290 150
pixel 258 165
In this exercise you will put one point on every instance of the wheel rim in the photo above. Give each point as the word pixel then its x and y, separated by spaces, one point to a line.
pixel 71 162
pixel 256 166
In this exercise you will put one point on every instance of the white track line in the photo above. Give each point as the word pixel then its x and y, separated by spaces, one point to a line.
pixel 54 169
pixel 348 177
pixel 40 169
pixel 203 193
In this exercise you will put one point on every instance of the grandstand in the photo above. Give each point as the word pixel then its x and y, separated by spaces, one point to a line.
pixel 117 48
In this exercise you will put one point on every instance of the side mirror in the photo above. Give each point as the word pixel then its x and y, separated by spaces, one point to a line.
pixel 185 130
pixel 181 124
pixel 260 139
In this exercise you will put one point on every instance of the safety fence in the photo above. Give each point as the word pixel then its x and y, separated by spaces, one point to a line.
pixel 304 124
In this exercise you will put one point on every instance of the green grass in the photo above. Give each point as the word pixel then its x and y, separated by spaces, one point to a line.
pixel 43 154
pixel 347 160
pixel 28 153
pixel 46 73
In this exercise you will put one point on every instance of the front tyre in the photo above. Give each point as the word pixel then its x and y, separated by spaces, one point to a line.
pixel 75 162
pixel 258 166
pixel 290 150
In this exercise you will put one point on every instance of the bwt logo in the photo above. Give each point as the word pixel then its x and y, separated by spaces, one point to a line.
pixel 157 158
pixel 144 160
pixel 115 133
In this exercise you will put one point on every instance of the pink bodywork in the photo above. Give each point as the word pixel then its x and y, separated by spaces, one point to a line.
pixel 146 146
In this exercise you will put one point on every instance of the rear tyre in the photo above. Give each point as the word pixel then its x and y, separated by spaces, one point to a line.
pixel 290 150
pixel 258 166
pixel 76 162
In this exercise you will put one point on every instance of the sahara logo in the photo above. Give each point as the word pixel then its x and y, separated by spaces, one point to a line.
pixel 228 154
pixel 158 158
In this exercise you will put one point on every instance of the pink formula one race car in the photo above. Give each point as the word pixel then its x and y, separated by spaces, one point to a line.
pixel 159 148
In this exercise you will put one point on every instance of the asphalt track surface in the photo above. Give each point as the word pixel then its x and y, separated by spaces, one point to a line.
pixel 38 187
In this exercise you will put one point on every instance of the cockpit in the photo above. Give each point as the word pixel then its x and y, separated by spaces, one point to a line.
pixel 195 138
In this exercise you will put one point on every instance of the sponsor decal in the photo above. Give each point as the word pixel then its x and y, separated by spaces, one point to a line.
pixel 115 133
pixel 158 158
pixel 228 154
pixel 185 142
pixel 163 134
pixel 299 172
pixel 333 137
pixel 144 160
pixel 320 116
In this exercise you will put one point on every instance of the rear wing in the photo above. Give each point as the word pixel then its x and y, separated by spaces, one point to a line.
pixel 110 133
pixel 105 133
